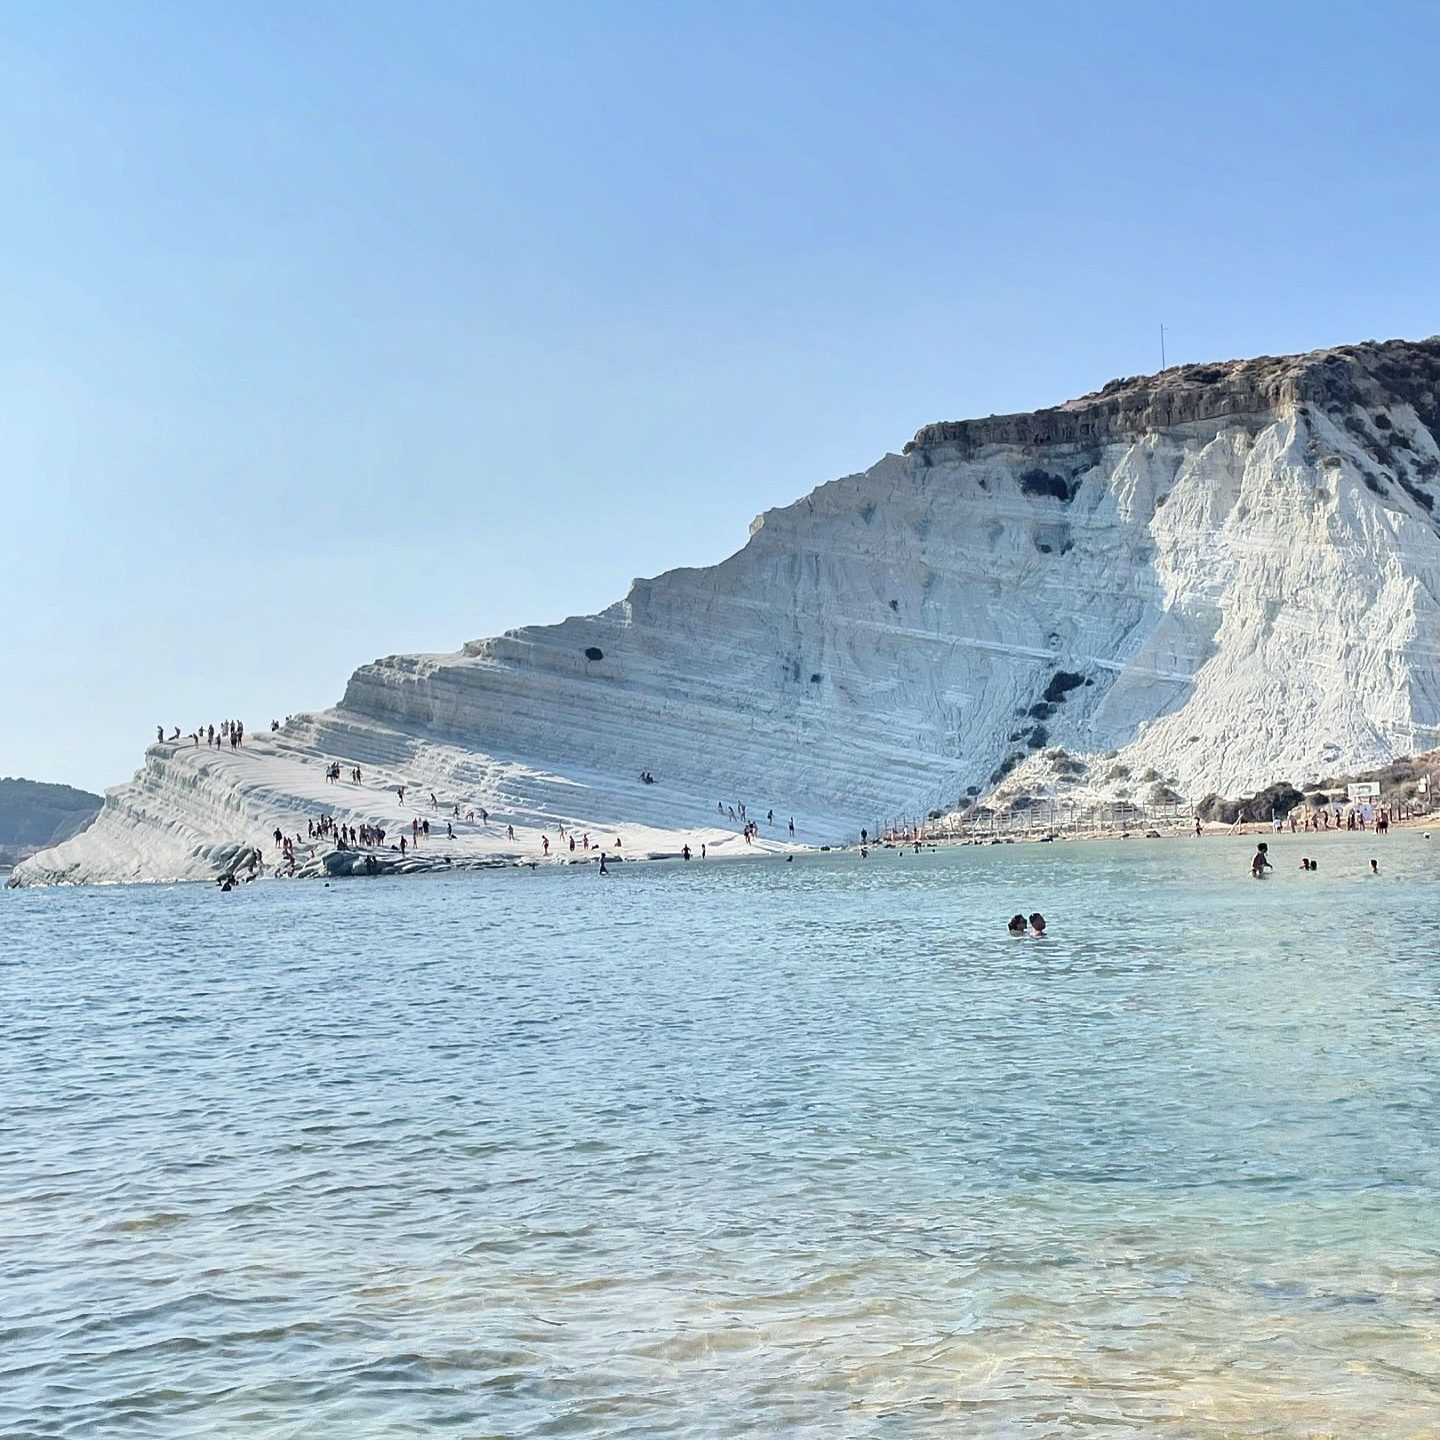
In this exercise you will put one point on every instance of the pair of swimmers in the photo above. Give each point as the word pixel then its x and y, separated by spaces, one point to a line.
pixel 1037 926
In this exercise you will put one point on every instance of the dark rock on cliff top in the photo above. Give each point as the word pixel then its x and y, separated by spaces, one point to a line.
pixel 1372 373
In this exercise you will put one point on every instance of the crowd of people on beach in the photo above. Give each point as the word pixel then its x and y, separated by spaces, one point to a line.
pixel 571 842
pixel 342 835
pixel 1337 817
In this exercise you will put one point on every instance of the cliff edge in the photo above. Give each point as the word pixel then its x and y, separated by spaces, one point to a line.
pixel 1215 577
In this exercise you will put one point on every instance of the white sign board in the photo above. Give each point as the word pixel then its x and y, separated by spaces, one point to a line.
pixel 1366 790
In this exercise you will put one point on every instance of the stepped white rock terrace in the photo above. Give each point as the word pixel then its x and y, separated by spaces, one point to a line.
pixel 1223 574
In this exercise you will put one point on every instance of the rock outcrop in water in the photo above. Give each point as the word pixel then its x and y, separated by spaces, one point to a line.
pixel 1214 577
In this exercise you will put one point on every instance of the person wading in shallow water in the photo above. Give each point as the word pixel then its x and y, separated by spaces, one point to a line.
pixel 1261 863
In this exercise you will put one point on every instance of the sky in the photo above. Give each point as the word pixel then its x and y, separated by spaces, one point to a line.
pixel 330 331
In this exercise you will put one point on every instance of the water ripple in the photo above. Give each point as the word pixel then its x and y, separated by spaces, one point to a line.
pixel 810 1149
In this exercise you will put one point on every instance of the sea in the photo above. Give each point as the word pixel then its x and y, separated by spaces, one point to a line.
pixel 752 1148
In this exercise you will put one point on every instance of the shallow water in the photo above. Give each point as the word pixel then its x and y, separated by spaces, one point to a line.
pixel 749 1148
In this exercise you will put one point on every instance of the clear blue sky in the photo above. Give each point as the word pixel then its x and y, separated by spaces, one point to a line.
pixel 335 330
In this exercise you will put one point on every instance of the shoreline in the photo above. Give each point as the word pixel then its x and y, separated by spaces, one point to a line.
pixel 346 864
pixel 269 785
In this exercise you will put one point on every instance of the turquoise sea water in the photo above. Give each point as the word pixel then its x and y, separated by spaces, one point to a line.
pixel 755 1148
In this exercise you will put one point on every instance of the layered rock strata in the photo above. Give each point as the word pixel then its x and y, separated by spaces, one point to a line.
pixel 1220 576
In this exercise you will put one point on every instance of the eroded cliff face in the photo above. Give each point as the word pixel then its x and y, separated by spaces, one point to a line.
pixel 1226 573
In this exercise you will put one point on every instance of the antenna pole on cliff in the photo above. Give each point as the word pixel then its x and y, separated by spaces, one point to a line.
pixel 1162 347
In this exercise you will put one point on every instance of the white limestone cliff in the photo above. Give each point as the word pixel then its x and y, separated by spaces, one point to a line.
pixel 1228 574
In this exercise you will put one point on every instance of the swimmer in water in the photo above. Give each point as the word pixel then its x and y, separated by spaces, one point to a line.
pixel 1016 926
pixel 1037 925
pixel 1374 867
pixel 1261 863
